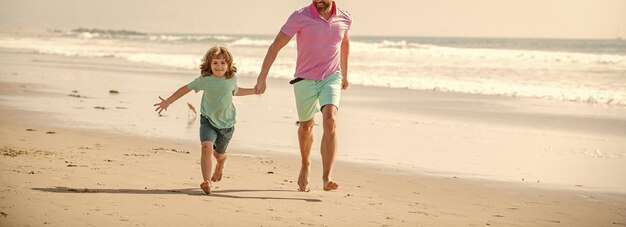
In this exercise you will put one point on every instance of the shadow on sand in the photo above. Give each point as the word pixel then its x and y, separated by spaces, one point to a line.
pixel 187 191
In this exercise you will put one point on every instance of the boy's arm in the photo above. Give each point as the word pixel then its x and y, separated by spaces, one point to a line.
pixel 166 102
pixel 245 91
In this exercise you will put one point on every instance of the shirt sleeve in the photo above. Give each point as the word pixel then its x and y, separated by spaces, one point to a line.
pixel 195 85
pixel 236 88
pixel 349 16
pixel 293 24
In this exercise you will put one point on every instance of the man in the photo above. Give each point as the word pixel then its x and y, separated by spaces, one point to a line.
pixel 321 74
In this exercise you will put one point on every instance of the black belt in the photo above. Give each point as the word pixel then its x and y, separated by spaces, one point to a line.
pixel 296 80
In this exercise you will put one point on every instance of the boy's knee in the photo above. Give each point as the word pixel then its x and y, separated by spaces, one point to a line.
pixel 207 147
pixel 219 156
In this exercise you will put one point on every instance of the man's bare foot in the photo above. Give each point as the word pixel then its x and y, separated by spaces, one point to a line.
pixel 206 187
pixel 330 185
pixel 219 170
pixel 303 179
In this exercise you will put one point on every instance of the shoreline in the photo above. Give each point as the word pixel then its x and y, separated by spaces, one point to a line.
pixel 513 140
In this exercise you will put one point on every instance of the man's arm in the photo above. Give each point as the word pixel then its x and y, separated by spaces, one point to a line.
pixel 279 42
pixel 343 60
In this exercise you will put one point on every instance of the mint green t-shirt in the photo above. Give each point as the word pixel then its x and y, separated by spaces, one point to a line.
pixel 217 99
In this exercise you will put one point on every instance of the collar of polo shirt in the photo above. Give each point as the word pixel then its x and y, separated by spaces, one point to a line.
pixel 316 14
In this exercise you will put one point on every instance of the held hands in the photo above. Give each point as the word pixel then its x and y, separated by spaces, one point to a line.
pixel 256 90
pixel 260 86
pixel 162 105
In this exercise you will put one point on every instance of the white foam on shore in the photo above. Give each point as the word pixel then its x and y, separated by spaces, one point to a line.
pixel 572 77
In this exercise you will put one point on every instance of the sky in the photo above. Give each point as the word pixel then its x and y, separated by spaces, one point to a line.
pixel 604 19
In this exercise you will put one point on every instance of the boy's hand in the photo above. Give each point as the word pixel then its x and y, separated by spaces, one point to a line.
pixel 162 105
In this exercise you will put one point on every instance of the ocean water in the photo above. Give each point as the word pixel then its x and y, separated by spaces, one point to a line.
pixel 590 71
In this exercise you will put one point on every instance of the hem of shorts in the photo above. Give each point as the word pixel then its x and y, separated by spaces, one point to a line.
pixel 300 120
pixel 322 106
pixel 212 125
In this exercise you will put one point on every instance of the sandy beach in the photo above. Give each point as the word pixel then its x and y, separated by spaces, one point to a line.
pixel 73 153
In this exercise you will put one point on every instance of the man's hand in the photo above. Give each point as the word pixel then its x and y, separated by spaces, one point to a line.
pixel 344 83
pixel 260 86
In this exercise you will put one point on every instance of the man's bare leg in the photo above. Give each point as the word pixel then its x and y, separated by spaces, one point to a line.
pixel 329 146
pixel 206 165
pixel 219 167
pixel 305 139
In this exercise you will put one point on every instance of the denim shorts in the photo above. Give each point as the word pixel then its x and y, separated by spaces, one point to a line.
pixel 220 137
pixel 312 95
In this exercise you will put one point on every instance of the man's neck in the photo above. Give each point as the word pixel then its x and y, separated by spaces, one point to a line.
pixel 326 14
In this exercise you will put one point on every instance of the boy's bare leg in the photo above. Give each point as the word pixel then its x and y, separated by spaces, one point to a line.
pixel 206 165
pixel 329 146
pixel 305 139
pixel 219 167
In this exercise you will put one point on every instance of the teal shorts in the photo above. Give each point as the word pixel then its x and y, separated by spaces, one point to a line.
pixel 311 95
pixel 220 137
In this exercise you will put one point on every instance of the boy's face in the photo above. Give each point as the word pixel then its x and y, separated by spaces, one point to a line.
pixel 219 67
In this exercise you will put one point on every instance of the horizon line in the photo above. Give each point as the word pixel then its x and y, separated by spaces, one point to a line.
pixel 21 29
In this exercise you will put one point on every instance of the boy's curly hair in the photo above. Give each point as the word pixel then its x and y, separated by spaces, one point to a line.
pixel 217 52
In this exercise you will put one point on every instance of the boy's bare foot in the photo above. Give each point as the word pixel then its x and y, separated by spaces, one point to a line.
pixel 303 179
pixel 219 170
pixel 206 187
pixel 330 185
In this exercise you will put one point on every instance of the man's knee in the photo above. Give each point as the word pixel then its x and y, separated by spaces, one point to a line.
pixel 330 124
pixel 306 126
pixel 330 117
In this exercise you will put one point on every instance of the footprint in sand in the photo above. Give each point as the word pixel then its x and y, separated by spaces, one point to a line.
pixel 171 149
pixel 419 212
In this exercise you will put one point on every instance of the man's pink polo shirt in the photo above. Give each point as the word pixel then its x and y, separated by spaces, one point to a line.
pixel 318 40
